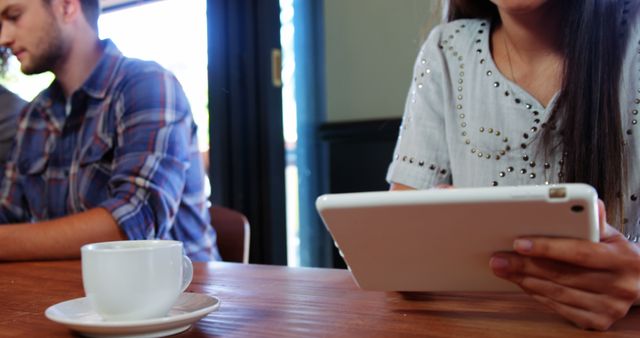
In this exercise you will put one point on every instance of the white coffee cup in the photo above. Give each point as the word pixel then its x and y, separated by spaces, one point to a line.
pixel 133 280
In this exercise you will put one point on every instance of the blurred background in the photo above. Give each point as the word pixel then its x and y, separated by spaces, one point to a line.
pixel 292 98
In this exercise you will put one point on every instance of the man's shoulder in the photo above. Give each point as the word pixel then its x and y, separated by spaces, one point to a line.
pixel 114 60
pixel 137 73
pixel 137 66
pixel 142 85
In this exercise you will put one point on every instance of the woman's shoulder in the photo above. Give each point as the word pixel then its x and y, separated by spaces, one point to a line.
pixel 631 17
pixel 456 40
pixel 630 28
pixel 463 25
pixel 456 35
pixel 461 29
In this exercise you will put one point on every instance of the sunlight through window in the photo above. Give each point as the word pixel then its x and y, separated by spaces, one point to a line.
pixel 174 34
pixel 290 128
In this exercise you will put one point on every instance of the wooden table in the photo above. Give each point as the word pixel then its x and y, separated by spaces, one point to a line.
pixel 271 301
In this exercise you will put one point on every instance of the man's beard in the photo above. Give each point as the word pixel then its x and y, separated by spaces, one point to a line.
pixel 49 55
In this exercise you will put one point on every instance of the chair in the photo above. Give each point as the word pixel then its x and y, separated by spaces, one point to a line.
pixel 232 229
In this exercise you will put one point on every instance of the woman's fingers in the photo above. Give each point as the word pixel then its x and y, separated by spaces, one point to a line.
pixel 585 319
pixel 590 284
pixel 616 253
pixel 590 308
pixel 515 268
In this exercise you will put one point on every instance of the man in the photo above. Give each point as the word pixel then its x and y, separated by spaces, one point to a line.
pixel 107 152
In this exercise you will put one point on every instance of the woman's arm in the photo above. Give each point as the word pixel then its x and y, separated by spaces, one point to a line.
pixel 398 186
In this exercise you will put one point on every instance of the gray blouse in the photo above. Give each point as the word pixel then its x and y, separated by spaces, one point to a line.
pixel 468 125
pixel 10 107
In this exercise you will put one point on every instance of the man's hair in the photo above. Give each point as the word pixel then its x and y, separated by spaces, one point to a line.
pixel 91 10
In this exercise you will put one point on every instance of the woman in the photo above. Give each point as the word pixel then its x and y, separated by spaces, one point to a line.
pixel 537 92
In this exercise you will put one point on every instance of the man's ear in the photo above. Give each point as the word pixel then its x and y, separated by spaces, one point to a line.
pixel 69 9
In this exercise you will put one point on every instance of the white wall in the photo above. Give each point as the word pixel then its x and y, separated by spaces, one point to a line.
pixel 370 49
pixel 110 3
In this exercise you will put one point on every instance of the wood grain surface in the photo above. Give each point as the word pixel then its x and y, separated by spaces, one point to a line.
pixel 273 301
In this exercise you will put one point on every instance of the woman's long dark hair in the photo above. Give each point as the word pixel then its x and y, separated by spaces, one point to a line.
pixel 585 123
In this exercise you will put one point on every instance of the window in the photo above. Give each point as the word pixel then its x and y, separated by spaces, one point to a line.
pixel 170 32
pixel 174 34
pixel 290 128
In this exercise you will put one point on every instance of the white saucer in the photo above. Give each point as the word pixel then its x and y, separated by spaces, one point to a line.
pixel 78 315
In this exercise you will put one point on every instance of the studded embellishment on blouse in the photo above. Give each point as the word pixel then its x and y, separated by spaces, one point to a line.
pixel 500 146
pixel 440 170
pixel 633 116
pixel 489 72
pixel 460 107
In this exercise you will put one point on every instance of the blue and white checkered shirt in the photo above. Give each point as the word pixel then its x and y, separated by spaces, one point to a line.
pixel 128 145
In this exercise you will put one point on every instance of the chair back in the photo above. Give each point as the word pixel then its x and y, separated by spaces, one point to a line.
pixel 232 229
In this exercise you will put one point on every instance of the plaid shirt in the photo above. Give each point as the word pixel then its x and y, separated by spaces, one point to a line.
pixel 125 142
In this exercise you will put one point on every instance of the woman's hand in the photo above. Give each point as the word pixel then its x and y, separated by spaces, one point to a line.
pixel 591 284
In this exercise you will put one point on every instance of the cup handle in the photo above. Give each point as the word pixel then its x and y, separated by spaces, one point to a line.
pixel 187 272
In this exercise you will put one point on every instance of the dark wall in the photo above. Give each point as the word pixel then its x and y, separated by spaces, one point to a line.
pixel 247 147
pixel 358 155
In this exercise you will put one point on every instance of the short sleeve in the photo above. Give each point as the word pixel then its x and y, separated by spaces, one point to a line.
pixel 420 159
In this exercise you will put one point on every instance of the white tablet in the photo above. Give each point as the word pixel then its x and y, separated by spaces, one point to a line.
pixel 442 239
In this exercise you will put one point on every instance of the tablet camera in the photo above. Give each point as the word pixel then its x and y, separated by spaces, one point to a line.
pixel 557 192
pixel 577 208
